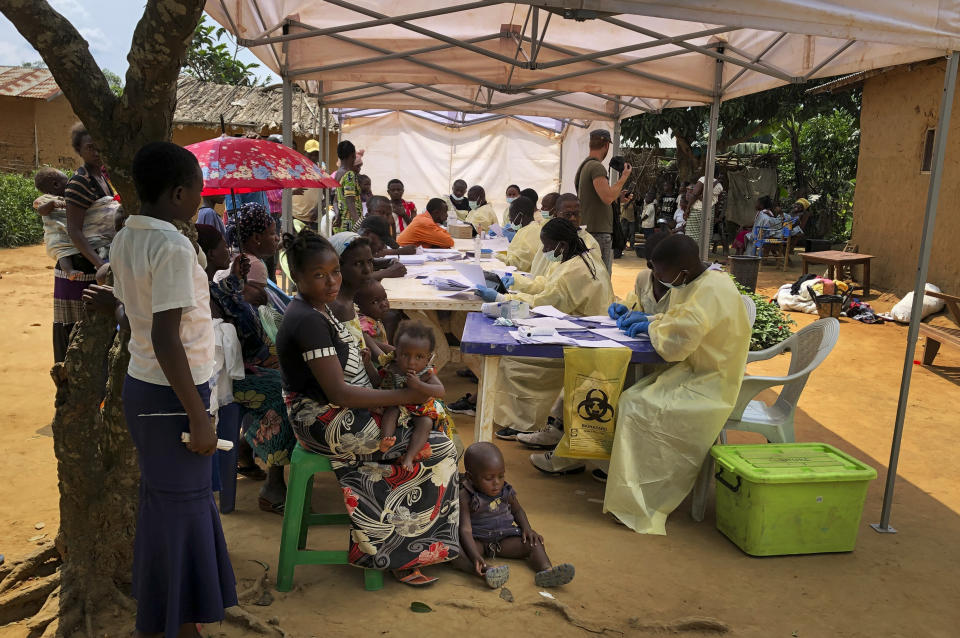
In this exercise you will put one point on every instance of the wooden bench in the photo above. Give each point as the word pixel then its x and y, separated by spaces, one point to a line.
pixel 935 335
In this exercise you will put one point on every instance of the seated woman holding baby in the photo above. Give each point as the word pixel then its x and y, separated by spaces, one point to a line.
pixel 402 506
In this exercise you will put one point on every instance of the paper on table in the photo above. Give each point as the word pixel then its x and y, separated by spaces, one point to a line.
pixel 548 322
pixel 548 311
pixel 472 272
pixel 412 260
pixel 603 320
pixel 616 334
pixel 466 295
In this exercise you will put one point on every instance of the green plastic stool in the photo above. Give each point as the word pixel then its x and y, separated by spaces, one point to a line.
pixel 297 519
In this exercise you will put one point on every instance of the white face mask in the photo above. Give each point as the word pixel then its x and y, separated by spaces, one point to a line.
pixel 473 205
pixel 674 284
pixel 455 198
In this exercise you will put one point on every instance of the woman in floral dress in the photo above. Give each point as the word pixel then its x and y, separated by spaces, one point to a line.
pixel 401 519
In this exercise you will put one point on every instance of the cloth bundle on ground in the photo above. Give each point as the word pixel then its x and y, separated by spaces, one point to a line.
pixel 99 228
pixel 902 311
pixel 796 296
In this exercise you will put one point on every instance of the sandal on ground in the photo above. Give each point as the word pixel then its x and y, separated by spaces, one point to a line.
pixel 497 577
pixel 252 472
pixel 555 576
pixel 267 506
pixel 415 578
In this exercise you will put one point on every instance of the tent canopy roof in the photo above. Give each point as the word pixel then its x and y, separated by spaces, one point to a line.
pixel 585 59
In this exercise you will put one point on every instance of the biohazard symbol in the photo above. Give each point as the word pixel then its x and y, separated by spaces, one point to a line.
pixel 595 407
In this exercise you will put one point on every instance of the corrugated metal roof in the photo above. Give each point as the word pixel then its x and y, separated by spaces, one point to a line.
pixel 18 81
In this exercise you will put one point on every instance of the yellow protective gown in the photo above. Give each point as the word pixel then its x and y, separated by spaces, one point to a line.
pixel 641 297
pixel 527 387
pixel 483 217
pixel 668 421
pixel 541 269
pixel 524 247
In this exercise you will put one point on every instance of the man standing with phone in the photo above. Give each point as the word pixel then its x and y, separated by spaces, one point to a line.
pixel 597 193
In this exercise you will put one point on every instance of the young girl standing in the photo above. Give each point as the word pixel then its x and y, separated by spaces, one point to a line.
pixel 181 571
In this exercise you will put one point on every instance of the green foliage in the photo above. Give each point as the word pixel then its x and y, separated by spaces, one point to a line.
pixel 114 80
pixel 210 60
pixel 829 146
pixel 19 223
pixel 771 325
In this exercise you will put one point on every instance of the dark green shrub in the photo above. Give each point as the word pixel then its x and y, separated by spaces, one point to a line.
pixel 771 326
pixel 19 223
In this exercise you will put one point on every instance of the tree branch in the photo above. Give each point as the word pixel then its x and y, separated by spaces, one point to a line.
pixel 67 55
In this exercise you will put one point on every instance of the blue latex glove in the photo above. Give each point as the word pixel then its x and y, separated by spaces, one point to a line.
pixel 507 280
pixel 509 233
pixel 617 310
pixel 487 294
pixel 641 327
pixel 631 318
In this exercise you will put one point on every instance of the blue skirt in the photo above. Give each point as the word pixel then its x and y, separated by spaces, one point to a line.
pixel 181 569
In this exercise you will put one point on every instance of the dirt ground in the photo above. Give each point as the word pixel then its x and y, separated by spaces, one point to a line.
pixel 626 584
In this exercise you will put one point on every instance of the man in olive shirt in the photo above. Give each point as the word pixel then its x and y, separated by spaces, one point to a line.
pixel 597 194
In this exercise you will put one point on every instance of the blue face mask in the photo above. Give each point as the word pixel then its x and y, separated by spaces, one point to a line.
pixel 511 226
pixel 674 284
pixel 553 257
pixel 510 200
pixel 473 205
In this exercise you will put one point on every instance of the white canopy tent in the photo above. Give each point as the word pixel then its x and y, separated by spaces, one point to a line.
pixel 597 59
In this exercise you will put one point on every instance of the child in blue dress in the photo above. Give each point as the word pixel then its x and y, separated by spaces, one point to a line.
pixel 181 571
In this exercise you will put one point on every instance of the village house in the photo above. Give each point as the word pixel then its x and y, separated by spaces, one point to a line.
pixel 36 118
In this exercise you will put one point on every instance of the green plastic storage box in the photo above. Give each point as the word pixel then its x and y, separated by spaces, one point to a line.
pixel 789 498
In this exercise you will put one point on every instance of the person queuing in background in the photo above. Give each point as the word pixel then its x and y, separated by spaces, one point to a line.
pixel 380 206
pixel 532 195
pixel 667 422
pixel 763 219
pixel 648 217
pixel 348 202
pixel 366 190
pixel 680 215
pixel 426 228
pixel 256 235
pixel 513 192
pixel 306 201
pixel 526 242
pixel 182 571
pixel 403 211
pixel 695 219
pixel 481 214
pixel 209 216
pixel 457 200
pixel 668 200
pixel 597 193
pixel 628 217
pixel 383 243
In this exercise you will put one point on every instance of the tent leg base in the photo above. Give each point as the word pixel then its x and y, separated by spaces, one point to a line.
pixel 879 529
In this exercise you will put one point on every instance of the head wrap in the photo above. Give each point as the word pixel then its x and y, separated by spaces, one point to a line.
pixel 341 241
pixel 251 219
pixel 804 202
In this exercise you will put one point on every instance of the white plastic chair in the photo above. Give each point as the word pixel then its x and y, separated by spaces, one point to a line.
pixel 751 309
pixel 808 348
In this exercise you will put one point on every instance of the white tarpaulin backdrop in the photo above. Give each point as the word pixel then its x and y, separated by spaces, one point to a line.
pixel 429 156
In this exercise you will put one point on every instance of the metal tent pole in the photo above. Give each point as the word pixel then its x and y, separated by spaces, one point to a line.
pixel 287 141
pixel 929 219
pixel 706 216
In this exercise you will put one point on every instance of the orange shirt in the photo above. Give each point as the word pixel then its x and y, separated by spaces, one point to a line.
pixel 423 231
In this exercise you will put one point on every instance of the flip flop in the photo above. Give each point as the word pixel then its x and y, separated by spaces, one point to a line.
pixel 415 578
pixel 273 508
pixel 555 576
pixel 496 577
pixel 252 472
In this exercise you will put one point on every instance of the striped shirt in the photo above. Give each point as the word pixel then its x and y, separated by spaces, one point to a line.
pixel 83 189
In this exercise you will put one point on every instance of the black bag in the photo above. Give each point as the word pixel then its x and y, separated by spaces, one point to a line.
pixel 618 237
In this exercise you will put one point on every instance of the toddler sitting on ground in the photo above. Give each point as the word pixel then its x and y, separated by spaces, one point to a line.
pixel 413 356
pixel 492 523
pixel 100 224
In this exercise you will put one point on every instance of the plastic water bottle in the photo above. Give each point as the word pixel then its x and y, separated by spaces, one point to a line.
pixel 477 246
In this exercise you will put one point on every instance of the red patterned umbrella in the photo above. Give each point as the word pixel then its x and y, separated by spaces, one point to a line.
pixel 245 165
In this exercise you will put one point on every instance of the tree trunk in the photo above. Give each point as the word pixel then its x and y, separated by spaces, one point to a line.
pixel 687 163
pixel 96 461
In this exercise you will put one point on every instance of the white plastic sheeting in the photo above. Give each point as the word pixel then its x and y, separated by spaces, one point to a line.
pixel 516 58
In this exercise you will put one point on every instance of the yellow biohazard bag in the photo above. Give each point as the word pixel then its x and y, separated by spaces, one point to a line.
pixel 592 380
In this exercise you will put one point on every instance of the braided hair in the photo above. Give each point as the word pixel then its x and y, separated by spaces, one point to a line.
pixel 559 229
pixel 302 246
pixel 251 219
